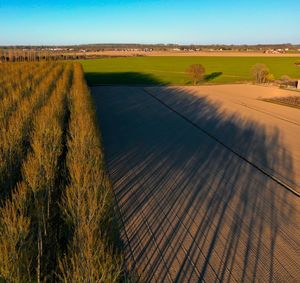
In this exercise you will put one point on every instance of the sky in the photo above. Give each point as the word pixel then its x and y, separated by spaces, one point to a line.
pixel 50 22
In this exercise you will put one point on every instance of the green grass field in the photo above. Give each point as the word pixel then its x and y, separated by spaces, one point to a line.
pixel 171 70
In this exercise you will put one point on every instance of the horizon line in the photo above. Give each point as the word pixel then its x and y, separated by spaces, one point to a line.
pixel 157 44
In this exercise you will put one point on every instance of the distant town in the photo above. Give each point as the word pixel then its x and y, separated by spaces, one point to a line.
pixel 91 51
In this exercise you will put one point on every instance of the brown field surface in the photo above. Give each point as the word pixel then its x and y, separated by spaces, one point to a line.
pixel 206 180
pixel 188 53
pixel 241 103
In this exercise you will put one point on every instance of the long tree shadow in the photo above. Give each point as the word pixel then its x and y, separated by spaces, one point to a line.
pixel 122 78
pixel 211 76
pixel 133 78
pixel 193 210
pixel 189 104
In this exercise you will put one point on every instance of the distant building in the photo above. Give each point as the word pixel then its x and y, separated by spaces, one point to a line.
pixel 273 51
pixel 291 84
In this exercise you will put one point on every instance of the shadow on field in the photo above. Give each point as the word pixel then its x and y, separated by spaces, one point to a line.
pixel 192 210
pixel 122 78
pixel 211 76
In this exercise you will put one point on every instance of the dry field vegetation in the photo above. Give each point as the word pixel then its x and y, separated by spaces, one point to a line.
pixel 56 211
pixel 292 101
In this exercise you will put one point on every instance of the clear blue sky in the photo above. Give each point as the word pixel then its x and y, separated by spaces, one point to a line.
pixel 145 21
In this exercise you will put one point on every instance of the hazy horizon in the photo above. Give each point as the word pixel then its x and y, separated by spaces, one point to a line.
pixel 151 43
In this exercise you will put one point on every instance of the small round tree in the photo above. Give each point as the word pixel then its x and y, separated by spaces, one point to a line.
pixel 270 78
pixel 196 72
pixel 260 73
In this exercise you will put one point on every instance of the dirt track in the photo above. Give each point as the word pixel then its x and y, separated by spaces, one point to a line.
pixel 192 208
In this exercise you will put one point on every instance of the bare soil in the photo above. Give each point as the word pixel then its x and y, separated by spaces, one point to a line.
pixel 188 53
pixel 245 103
pixel 191 169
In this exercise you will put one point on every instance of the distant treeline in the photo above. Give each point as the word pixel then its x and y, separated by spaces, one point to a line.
pixel 183 46
pixel 69 50
pixel 30 55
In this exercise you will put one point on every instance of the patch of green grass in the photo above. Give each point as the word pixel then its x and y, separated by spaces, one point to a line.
pixel 171 70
